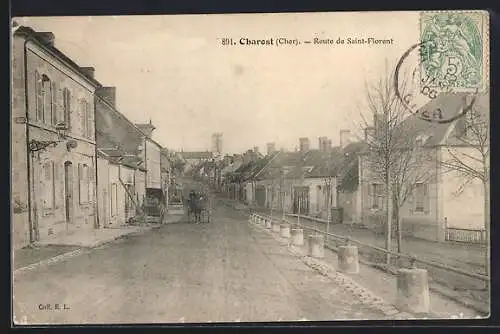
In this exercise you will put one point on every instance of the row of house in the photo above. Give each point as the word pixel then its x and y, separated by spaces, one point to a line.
pixel 77 162
pixel 312 181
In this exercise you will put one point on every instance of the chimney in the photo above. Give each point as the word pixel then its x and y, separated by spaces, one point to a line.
pixel 271 148
pixel 88 71
pixel 304 144
pixel 108 94
pixel 47 38
pixel 369 133
pixel 328 145
pixel 344 138
pixel 321 143
pixel 147 128
pixel 256 149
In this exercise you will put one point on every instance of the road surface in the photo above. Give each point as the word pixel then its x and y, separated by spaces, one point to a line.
pixel 224 271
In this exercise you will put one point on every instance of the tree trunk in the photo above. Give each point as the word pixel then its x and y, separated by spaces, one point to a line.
pixel 399 227
pixel 388 235
pixel 487 229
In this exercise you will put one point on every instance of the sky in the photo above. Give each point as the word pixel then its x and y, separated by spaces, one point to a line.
pixel 174 71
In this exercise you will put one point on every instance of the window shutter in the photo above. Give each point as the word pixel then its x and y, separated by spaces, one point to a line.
pixel 54 102
pixel 60 105
pixel 47 100
pixel 81 112
pixel 38 97
pixel 53 183
pixel 56 171
pixel 90 114
pixel 67 108
pixel 80 183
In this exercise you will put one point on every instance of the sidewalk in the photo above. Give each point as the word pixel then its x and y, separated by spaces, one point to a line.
pixel 465 256
pixel 69 243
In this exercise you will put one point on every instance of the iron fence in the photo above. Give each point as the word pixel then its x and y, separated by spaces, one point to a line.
pixel 473 236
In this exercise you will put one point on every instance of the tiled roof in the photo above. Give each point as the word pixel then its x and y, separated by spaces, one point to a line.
pixel 114 129
pixel 449 104
pixel 32 34
pixel 196 155
pixel 231 167
pixel 279 161
pixel 481 110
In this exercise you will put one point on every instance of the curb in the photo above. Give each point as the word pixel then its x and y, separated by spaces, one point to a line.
pixel 68 255
pixel 51 260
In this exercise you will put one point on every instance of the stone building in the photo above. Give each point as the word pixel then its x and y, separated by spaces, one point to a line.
pixel 53 140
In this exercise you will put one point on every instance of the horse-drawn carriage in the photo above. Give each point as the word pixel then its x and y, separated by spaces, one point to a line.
pixel 198 207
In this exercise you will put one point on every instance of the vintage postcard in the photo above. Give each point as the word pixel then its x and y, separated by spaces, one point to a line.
pixel 250 167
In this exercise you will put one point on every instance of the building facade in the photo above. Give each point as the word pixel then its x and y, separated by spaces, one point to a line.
pixel 53 140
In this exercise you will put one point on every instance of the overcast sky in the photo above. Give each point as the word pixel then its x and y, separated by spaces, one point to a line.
pixel 174 71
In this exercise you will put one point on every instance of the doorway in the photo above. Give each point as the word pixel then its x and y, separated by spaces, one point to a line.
pixel 301 200
pixel 68 191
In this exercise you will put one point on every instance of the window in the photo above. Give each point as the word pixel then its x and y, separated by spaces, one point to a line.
pixel 67 108
pixel 83 177
pixel 46 98
pixel 421 197
pixel 469 123
pixel 48 186
pixel 377 196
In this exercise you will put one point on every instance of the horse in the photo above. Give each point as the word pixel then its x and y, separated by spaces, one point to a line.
pixel 196 204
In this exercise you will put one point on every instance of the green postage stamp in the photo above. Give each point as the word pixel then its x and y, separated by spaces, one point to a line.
pixel 454 52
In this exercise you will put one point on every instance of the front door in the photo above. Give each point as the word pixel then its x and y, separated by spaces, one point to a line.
pixel 68 190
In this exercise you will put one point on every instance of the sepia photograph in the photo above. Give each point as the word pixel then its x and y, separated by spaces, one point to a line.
pixel 236 168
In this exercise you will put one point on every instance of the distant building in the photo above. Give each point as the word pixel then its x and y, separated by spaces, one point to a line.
pixel 217 143
pixel 271 148
pixel 193 159
pixel 304 144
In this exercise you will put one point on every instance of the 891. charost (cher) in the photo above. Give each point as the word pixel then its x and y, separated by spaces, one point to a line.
pixel 248 41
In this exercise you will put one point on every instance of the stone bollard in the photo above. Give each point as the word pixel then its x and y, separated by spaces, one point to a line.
pixel 275 226
pixel 317 246
pixel 348 258
pixel 297 235
pixel 285 230
pixel 413 290
pixel 267 223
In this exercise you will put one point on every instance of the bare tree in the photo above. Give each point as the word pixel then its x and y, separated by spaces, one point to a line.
pixel 394 159
pixel 468 156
